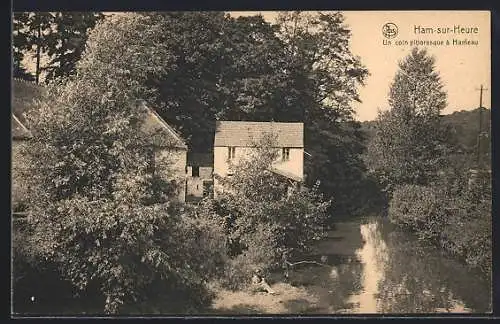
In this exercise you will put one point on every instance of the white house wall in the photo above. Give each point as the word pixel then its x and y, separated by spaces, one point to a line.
pixel 176 160
pixel 195 187
pixel 295 165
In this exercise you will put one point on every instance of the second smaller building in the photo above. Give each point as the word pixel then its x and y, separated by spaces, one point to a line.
pixel 199 177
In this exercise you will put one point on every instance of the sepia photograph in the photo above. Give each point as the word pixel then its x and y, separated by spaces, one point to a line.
pixel 257 163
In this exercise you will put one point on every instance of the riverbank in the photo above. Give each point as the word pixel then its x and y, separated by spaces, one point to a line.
pixel 286 300
pixel 372 267
pixel 302 293
pixel 368 266
pixel 458 223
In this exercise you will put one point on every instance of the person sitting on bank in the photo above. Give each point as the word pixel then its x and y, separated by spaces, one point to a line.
pixel 260 283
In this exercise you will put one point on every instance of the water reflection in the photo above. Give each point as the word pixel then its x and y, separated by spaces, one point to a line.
pixel 377 268
pixel 401 275
pixel 422 279
pixel 373 256
pixel 341 278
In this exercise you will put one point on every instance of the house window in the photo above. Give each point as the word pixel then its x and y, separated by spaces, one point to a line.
pixel 285 154
pixel 231 152
pixel 196 171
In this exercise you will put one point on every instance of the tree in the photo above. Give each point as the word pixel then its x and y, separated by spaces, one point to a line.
pixel 19 44
pixel 223 68
pixel 60 36
pixel 267 216
pixel 31 34
pixel 409 146
pixel 67 41
pixel 323 77
pixel 94 211
pixel 249 69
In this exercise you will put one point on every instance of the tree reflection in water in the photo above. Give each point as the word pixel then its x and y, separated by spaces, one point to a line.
pixel 421 279
pixel 374 267
pixel 341 277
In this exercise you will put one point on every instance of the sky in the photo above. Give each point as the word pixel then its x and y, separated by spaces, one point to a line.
pixel 463 68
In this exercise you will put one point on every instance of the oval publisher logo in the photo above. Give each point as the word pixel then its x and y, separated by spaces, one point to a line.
pixel 390 30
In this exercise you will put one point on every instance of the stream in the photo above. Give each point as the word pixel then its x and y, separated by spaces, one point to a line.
pixel 374 267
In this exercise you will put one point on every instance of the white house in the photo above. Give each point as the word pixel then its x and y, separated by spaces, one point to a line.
pixel 235 140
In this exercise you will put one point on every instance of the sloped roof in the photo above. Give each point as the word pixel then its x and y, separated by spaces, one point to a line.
pixel 154 124
pixel 19 131
pixel 23 95
pixel 243 133
pixel 285 174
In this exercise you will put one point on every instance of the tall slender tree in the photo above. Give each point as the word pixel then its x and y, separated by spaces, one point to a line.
pixel 409 145
pixel 37 28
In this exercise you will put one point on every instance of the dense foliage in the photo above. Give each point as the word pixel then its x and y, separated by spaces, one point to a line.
pixel 409 146
pixel 95 209
pixel 463 127
pixel 215 66
pixel 267 216
pixel 324 76
pixel 60 36
pixel 298 69
pixel 418 207
pixel 459 222
pixel 432 168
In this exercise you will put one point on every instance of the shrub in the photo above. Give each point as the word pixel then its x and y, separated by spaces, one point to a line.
pixel 467 233
pixel 260 253
pixel 34 276
pixel 202 238
pixel 265 215
pixel 151 252
pixel 459 221
pixel 418 208
pixel 99 210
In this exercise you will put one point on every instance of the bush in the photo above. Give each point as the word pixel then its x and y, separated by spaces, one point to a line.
pixel 418 208
pixel 201 236
pixel 260 253
pixel 34 276
pixel 183 251
pixel 459 221
pixel 266 217
pixel 467 233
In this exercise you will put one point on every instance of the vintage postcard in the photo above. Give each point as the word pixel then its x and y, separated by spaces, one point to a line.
pixel 210 163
